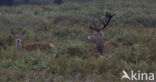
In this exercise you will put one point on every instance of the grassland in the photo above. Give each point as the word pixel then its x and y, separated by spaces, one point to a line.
pixel 74 58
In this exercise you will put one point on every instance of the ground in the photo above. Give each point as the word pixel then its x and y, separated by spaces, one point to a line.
pixel 74 58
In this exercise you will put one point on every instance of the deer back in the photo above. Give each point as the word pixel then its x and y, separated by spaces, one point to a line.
pixel 39 45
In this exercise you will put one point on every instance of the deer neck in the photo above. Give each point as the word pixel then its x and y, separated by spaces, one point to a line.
pixel 102 38
pixel 18 45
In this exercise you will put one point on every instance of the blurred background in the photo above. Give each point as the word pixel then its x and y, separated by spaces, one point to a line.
pixel 65 24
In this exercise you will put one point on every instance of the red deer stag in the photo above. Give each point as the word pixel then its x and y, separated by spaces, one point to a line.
pixel 30 46
pixel 102 44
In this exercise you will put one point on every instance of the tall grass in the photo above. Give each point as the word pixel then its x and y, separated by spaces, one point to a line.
pixel 74 58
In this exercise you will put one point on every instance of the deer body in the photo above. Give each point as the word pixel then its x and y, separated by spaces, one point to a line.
pixel 31 46
pixel 102 44
pixel 38 45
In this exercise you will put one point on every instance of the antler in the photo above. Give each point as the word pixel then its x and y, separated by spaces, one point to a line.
pixel 105 21
pixel 93 27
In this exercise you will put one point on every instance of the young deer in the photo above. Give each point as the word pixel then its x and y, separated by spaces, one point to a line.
pixel 30 46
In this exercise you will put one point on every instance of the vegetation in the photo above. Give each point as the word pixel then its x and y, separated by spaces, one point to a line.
pixel 74 58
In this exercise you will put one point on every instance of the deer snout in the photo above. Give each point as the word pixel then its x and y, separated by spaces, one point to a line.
pixel 18 41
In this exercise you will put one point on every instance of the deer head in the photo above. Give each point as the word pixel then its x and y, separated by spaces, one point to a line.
pixel 18 39
pixel 104 21
pixel 44 46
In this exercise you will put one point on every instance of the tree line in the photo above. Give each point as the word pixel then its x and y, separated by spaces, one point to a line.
pixel 12 2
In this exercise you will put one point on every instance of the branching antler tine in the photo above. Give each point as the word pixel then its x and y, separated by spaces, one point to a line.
pixel 93 27
pixel 105 21
pixel 108 10
pixel 113 14
pixel 106 24
pixel 108 17
pixel 110 13
pixel 101 21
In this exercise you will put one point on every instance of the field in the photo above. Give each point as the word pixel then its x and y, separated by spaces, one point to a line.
pixel 74 59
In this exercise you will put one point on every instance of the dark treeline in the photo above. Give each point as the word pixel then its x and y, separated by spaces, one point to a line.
pixel 6 2
pixel 58 1
pixel 26 1
pixel 12 2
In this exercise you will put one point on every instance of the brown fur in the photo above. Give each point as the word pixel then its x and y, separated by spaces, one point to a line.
pixel 104 46
pixel 129 44
pixel 30 46
pixel 38 45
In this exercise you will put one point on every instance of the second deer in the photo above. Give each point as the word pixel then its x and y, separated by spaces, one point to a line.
pixel 30 46
pixel 102 44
